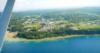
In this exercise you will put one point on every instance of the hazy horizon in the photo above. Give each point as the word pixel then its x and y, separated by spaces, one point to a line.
pixel 26 5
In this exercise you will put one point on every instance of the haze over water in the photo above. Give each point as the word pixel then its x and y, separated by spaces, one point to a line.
pixel 24 5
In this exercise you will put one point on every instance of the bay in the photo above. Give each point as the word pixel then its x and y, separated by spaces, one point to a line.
pixel 84 44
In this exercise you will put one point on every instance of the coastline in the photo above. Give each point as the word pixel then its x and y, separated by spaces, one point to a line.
pixel 10 37
pixel 41 40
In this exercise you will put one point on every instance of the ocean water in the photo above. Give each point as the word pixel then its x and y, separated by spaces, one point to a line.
pixel 86 44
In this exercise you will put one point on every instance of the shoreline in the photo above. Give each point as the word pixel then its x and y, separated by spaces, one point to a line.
pixel 10 37
pixel 41 40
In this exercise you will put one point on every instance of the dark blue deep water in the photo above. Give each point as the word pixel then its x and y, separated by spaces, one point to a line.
pixel 86 44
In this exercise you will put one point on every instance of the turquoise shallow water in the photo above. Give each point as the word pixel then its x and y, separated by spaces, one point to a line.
pixel 86 44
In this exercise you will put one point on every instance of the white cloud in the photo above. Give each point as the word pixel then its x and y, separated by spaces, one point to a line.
pixel 2 4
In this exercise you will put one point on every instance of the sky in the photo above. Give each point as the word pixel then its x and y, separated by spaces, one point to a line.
pixel 23 5
pixel 2 4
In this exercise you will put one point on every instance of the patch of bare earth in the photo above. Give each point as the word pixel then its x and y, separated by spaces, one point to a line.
pixel 10 35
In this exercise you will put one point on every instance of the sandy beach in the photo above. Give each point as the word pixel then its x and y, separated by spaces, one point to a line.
pixel 10 36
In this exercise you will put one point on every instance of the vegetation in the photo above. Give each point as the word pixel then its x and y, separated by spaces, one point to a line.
pixel 51 23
